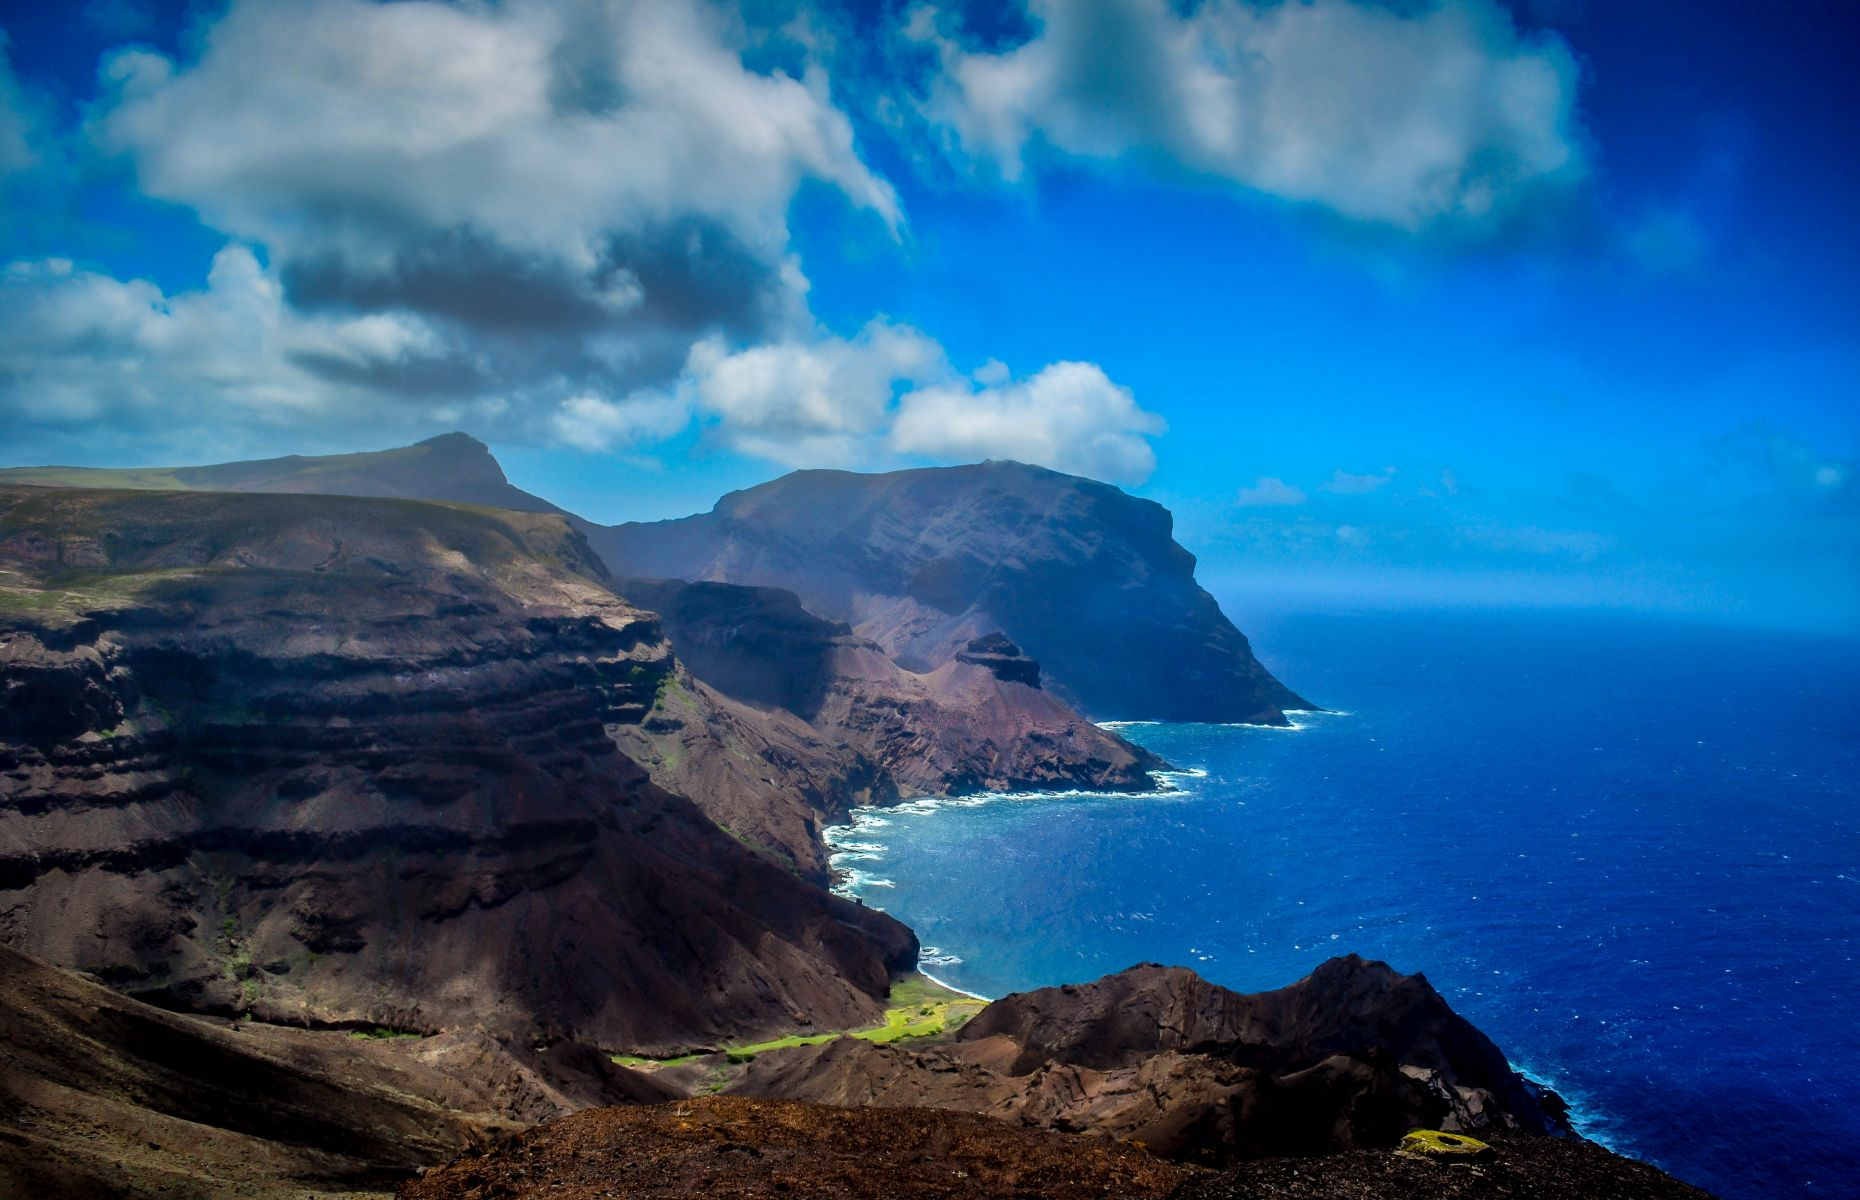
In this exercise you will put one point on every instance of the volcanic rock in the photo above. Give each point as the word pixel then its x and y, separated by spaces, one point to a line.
pixel 1521 1168
pixel 1354 1054
pixel 735 1149
pixel 1003 658
pixel 788 720
pixel 1088 580
pixel 346 762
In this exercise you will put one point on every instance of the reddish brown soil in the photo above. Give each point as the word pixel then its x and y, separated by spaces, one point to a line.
pixel 729 1148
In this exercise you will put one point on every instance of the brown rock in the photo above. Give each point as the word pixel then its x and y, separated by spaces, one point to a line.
pixel 729 1147
pixel 336 761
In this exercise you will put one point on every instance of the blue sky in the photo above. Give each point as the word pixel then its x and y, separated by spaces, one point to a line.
pixel 1411 302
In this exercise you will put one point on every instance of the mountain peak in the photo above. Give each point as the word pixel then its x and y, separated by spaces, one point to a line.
pixel 456 442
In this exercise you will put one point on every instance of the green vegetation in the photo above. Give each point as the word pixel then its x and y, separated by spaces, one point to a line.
pixel 382 1033
pixel 1432 1143
pixel 150 479
pixel 917 1008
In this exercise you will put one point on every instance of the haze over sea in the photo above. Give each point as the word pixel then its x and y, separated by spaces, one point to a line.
pixel 1626 849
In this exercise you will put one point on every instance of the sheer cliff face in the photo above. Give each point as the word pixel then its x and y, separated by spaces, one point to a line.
pixel 1087 580
pixel 330 760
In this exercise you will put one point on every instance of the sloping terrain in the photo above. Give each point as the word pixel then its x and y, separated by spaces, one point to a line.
pixel 726 1146
pixel 1088 580
pixel 453 467
pixel 1353 1055
pixel 103 1096
pixel 343 761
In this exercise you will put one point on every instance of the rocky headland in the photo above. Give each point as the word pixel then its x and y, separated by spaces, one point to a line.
pixel 1086 579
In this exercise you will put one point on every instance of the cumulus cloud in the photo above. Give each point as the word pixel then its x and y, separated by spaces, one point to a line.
pixel 556 221
pixel 81 348
pixel 567 194
pixel 1343 483
pixel 1410 116
pixel 1070 416
pixel 1270 492
pixel 827 400
pixel 809 402
pixel 590 422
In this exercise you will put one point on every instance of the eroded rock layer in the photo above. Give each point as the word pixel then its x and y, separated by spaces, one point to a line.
pixel 786 720
pixel 329 761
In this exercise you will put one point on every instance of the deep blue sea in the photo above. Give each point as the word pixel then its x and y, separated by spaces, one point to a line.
pixel 1629 850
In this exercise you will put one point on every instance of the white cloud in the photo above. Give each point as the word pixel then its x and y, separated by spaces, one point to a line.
pixel 1270 492
pixel 571 194
pixel 545 126
pixel 590 422
pixel 809 402
pixel 1343 483
pixel 1430 113
pixel 1070 417
pixel 80 347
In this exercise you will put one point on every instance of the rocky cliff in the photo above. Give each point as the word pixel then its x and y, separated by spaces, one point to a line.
pixel 352 762
pixel 786 720
pixel 1087 580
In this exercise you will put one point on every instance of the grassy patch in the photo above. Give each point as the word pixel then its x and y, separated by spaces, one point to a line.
pixel 381 1033
pixel 916 1008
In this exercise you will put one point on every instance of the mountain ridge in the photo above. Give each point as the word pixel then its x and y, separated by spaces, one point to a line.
pixel 1086 578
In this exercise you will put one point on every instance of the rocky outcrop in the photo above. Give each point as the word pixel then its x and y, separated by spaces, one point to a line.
pixel 1088 580
pixel 1003 659
pixel 785 721
pixel 1353 1055
pixel 345 762
pixel 103 1096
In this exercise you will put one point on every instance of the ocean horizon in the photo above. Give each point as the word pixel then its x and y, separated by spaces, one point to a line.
pixel 1625 848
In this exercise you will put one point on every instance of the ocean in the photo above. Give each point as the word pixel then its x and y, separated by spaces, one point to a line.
pixel 1627 849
